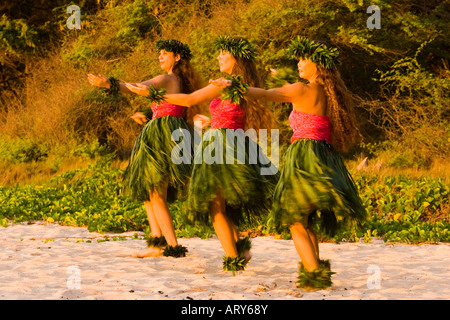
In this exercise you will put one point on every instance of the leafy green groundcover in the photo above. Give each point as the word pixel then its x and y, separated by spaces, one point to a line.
pixel 406 209
pixel 399 208
pixel 90 197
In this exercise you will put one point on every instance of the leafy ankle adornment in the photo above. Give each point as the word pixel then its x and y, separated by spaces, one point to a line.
pixel 176 251
pixel 325 264
pixel 234 264
pixel 319 278
pixel 156 241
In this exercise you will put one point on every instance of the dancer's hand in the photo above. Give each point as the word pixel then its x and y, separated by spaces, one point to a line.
pixel 221 83
pixel 99 81
pixel 139 117
pixel 204 120
pixel 140 89
pixel 273 72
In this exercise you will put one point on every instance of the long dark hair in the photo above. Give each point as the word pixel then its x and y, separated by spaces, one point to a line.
pixel 189 82
pixel 340 109
pixel 258 116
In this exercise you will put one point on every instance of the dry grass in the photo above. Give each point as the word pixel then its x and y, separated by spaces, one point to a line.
pixel 438 169
pixel 38 172
pixel 54 102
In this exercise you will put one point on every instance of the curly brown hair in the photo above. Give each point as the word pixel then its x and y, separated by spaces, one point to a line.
pixel 340 109
pixel 257 115
pixel 189 82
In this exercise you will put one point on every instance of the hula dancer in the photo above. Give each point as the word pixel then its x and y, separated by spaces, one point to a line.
pixel 227 192
pixel 314 182
pixel 151 175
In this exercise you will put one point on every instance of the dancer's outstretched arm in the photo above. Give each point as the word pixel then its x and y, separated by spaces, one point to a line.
pixel 202 95
pixel 288 93
pixel 159 82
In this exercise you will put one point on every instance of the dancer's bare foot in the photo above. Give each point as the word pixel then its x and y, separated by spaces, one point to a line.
pixel 149 252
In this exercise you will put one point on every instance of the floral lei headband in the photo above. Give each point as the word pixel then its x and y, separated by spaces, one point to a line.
pixel 176 47
pixel 238 47
pixel 315 51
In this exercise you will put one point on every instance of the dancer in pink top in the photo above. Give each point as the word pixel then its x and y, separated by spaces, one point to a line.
pixel 315 187
pixel 223 191
pixel 151 175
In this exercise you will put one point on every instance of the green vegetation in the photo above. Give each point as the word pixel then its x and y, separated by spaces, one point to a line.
pixel 63 143
pixel 400 208
pixel 405 209
pixel 89 197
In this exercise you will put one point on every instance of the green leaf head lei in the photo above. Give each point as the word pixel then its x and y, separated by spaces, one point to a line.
pixel 175 46
pixel 316 51
pixel 238 47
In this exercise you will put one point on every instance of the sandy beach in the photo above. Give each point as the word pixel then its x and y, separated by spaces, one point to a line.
pixel 49 261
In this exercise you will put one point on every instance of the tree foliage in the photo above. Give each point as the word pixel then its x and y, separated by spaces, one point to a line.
pixel 398 74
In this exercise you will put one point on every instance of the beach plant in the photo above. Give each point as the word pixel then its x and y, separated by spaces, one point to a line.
pixel 18 150
pixel 400 208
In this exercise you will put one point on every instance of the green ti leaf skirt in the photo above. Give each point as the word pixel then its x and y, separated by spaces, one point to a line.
pixel 151 160
pixel 315 180
pixel 247 193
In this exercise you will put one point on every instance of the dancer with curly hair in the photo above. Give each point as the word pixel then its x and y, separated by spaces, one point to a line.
pixel 151 176
pixel 230 192
pixel 315 186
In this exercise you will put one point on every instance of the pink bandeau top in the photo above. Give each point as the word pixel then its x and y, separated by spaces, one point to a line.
pixel 309 126
pixel 225 114
pixel 167 109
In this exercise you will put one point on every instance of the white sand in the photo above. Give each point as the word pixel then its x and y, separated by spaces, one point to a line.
pixel 66 268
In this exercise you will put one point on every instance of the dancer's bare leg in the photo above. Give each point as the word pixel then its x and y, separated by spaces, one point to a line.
pixel 246 254
pixel 315 242
pixel 154 226
pixel 304 246
pixel 312 234
pixel 162 214
pixel 233 228
pixel 223 226
pixel 155 232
